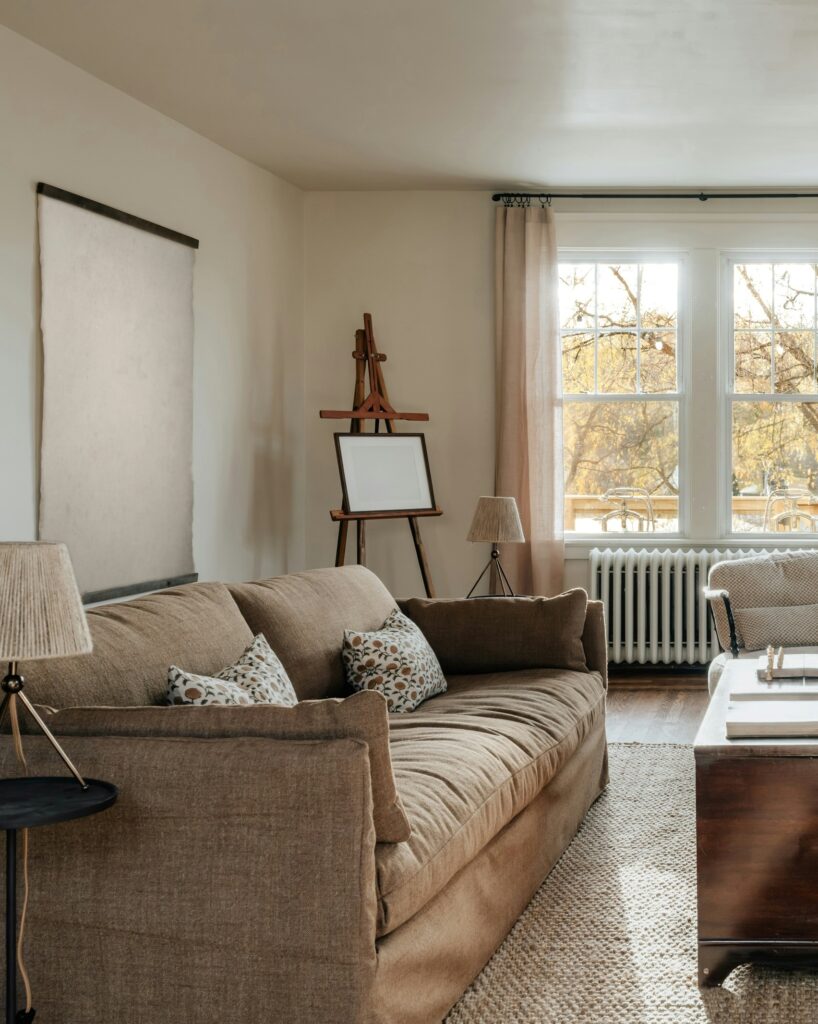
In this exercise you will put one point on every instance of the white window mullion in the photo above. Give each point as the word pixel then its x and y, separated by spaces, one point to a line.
pixel 639 328
pixel 596 328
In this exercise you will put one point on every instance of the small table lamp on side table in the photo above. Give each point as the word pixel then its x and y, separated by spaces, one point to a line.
pixel 496 521
pixel 41 616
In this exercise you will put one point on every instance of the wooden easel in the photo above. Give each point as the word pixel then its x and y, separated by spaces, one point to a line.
pixel 375 406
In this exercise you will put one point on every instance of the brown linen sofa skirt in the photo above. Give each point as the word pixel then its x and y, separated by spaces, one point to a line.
pixel 426 964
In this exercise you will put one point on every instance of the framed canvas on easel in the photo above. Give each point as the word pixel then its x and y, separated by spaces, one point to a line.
pixel 383 475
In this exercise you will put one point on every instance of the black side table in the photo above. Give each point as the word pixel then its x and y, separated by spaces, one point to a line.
pixel 29 803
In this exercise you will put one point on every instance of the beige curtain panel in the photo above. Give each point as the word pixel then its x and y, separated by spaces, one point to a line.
pixel 529 410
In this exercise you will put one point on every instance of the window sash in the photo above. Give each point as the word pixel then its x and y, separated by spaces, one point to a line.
pixel 728 394
pixel 680 259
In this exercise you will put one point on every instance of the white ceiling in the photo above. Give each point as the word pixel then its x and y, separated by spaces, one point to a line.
pixel 475 93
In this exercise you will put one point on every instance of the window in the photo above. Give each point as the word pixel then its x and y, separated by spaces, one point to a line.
pixel 620 341
pixel 774 397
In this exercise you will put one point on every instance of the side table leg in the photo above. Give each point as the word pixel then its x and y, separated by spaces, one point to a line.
pixel 11 925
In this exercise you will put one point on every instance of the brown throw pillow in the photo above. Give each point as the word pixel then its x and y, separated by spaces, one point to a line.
pixel 504 634
pixel 362 716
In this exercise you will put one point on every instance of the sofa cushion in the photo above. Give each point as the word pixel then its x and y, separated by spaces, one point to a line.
pixel 258 677
pixel 395 660
pixel 135 642
pixel 304 616
pixel 362 716
pixel 469 761
pixel 503 634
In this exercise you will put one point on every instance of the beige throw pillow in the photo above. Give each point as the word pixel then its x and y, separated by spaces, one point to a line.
pixel 395 660
pixel 258 677
pixel 362 716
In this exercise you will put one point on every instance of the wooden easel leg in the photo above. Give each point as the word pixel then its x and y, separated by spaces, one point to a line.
pixel 361 539
pixel 341 546
pixel 420 551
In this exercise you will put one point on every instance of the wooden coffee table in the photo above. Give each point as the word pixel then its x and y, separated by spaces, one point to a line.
pixel 757 844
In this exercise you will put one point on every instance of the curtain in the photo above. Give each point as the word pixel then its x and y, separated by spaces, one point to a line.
pixel 529 408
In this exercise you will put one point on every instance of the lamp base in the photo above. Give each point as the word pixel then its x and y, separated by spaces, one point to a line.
pixel 12 687
pixel 501 575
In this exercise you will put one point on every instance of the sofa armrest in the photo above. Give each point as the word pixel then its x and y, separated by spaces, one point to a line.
pixel 595 640
pixel 232 876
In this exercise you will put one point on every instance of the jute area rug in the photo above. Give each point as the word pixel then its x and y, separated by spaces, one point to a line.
pixel 610 937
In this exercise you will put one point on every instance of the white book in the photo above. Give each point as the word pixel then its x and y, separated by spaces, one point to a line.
pixel 778 689
pixel 762 718
pixel 795 666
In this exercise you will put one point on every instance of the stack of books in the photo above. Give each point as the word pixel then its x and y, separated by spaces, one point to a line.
pixel 781 702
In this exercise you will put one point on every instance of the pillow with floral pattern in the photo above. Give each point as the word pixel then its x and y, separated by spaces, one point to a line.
pixel 258 677
pixel 396 660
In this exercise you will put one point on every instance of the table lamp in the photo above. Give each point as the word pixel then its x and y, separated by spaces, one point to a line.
pixel 496 521
pixel 41 616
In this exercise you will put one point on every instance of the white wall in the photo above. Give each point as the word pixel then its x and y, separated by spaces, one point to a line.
pixel 60 125
pixel 422 264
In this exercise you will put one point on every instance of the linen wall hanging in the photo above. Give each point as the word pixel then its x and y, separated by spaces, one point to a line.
pixel 116 482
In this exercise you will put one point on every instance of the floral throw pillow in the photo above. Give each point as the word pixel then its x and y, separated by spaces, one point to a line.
pixel 395 660
pixel 258 677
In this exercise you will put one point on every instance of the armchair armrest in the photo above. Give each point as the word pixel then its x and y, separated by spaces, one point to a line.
pixel 716 597
pixel 232 875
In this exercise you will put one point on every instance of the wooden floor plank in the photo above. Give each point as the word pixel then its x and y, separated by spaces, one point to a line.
pixel 660 714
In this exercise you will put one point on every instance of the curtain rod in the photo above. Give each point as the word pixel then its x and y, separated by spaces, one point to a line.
pixel 513 198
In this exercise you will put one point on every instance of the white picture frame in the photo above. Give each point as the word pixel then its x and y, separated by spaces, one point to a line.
pixel 384 473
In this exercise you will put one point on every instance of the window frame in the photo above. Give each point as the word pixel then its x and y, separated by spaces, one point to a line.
pixel 681 395
pixel 726 396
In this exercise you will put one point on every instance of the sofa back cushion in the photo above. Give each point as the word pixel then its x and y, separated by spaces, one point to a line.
pixel 503 634
pixel 362 716
pixel 304 616
pixel 197 626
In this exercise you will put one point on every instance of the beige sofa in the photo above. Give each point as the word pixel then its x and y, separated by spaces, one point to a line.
pixel 238 876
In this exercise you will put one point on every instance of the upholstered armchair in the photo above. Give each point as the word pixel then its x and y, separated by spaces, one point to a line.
pixel 768 599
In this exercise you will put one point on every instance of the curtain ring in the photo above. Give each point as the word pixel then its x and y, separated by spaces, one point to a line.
pixel 544 201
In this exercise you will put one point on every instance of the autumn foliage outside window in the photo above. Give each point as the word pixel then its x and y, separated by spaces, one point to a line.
pixel 774 400
pixel 619 325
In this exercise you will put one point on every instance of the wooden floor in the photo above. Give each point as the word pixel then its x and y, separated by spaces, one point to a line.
pixel 655 711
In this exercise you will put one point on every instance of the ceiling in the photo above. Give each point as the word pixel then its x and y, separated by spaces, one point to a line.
pixel 365 94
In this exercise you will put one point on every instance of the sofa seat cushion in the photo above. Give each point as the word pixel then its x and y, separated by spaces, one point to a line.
pixel 469 761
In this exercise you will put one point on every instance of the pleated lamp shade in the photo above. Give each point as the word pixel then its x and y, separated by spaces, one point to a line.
pixel 496 521
pixel 41 613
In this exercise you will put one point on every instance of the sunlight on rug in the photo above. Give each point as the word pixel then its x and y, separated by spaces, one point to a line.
pixel 610 937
